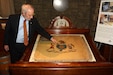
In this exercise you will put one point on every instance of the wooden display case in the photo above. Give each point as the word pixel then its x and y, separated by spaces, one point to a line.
pixel 98 67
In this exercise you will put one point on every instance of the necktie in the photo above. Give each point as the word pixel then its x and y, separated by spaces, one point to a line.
pixel 25 34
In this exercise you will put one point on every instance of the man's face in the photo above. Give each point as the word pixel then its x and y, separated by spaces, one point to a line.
pixel 29 14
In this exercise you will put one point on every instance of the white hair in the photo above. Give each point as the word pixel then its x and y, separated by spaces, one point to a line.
pixel 26 7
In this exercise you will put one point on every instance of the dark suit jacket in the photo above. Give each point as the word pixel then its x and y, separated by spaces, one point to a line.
pixel 12 25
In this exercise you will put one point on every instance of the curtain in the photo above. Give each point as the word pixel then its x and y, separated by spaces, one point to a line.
pixel 6 8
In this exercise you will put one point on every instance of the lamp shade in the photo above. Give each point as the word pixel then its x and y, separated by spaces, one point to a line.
pixel 60 5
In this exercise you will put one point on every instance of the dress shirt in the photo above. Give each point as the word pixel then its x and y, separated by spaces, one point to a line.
pixel 20 34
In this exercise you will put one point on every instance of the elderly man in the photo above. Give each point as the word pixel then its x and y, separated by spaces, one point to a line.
pixel 17 27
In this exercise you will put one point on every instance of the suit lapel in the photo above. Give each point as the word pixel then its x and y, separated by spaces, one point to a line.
pixel 30 27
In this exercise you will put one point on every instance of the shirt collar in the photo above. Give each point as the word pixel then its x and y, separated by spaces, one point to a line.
pixel 22 17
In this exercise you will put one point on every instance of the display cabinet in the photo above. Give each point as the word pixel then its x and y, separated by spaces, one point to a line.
pixel 41 57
